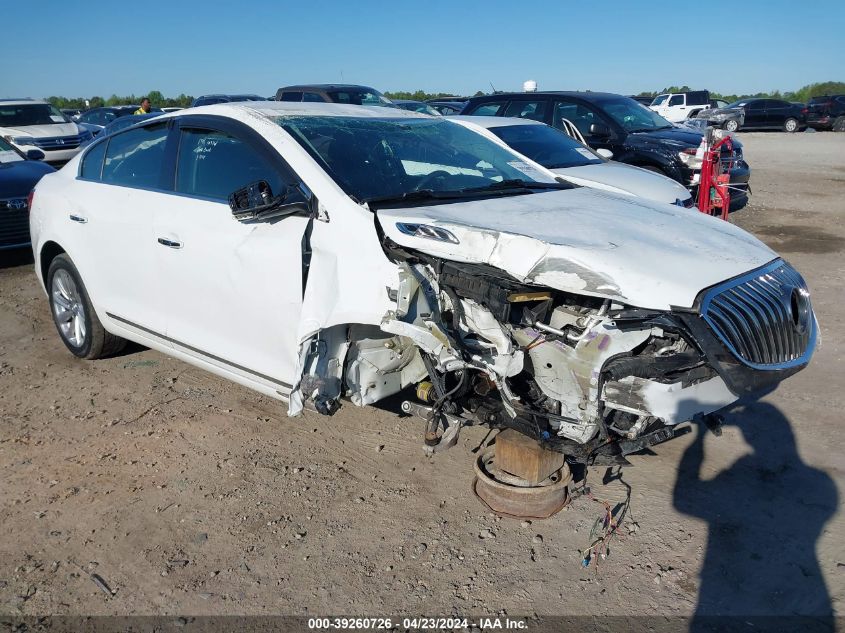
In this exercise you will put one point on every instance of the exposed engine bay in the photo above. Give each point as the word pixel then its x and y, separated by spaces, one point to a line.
pixel 583 375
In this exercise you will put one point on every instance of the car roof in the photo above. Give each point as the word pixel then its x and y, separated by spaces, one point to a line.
pixel 22 101
pixel 297 108
pixel 587 96
pixel 495 121
pixel 327 87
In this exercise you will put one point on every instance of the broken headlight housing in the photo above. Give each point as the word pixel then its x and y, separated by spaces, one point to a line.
pixel 688 157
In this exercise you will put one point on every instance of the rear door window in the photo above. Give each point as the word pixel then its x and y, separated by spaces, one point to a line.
pixel 535 110
pixel 491 108
pixel 213 164
pixel 134 158
pixel 312 97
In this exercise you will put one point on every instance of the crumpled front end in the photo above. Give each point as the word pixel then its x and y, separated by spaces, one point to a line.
pixel 556 348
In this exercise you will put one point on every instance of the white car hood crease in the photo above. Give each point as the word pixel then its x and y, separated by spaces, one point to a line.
pixel 626 179
pixel 590 242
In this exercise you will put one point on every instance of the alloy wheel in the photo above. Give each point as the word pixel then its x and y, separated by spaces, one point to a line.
pixel 68 309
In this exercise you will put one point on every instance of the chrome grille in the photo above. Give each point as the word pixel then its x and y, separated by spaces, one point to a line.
pixel 14 222
pixel 764 318
pixel 57 142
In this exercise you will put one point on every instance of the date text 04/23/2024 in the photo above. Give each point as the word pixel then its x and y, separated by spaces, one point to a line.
pixel 419 623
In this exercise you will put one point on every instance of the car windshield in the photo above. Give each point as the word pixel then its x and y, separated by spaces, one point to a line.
pixel 23 114
pixel 359 97
pixel 380 158
pixel 659 99
pixel 8 154
pixel 547 145
pixel 737 104
pixel 633 116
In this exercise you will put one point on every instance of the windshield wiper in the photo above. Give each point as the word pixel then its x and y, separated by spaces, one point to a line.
pixel 517 184
pixel 497 188
pixel 410 196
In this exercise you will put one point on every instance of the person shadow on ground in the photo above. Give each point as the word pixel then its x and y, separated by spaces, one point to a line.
pixel 765 514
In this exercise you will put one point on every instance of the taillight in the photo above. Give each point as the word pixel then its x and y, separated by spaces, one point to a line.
pixel 804 110
pixel 29 200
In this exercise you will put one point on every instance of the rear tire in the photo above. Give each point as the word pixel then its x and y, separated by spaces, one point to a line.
pixel 790 125
pixel 74 316
pixel 839 124
pixel 731 125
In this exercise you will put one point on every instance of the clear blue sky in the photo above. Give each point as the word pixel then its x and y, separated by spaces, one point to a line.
pixel 93 47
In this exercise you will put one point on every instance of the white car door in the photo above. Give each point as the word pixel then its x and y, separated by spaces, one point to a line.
pixel 119 188
pixel 233 290
pixel 676 108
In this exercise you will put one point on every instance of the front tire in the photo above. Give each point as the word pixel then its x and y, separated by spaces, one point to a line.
pixel 74 316
pixel 790 125
pixel 731 125
pixel 839 124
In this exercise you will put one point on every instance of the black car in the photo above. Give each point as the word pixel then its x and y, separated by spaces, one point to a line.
pixel 827 113
pixel 333 93
pixel 447 108
pixel 646 101
pixel 415 106
pixel 212 99
pixel 758 114
pixel 101 117
pixel 124 122
pixel 19 173
pixel 633 133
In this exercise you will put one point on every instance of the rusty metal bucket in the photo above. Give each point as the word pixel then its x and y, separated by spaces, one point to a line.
pixel 510 496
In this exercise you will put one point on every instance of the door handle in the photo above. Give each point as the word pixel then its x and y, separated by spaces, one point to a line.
pixel 78 218
pixel 169 243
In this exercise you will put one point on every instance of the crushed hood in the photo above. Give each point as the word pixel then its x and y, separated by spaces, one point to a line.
pixel 589 242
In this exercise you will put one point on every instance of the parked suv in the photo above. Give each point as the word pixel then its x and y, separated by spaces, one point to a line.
pixel 630 131
pixel 758 114
pixel 680 106
pixel 827 113
pixel 333 93
pixel 29 124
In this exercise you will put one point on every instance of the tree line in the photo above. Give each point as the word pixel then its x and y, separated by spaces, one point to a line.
pixel 158 100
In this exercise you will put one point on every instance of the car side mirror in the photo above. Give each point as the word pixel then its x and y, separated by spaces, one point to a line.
pixel 257 201
pixel 604 153
pixel 35 154
pixel 599 130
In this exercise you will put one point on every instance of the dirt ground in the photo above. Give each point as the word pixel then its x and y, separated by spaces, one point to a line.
pixel 187 494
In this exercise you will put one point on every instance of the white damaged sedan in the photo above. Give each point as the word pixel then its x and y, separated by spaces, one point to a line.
pixel 322 252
